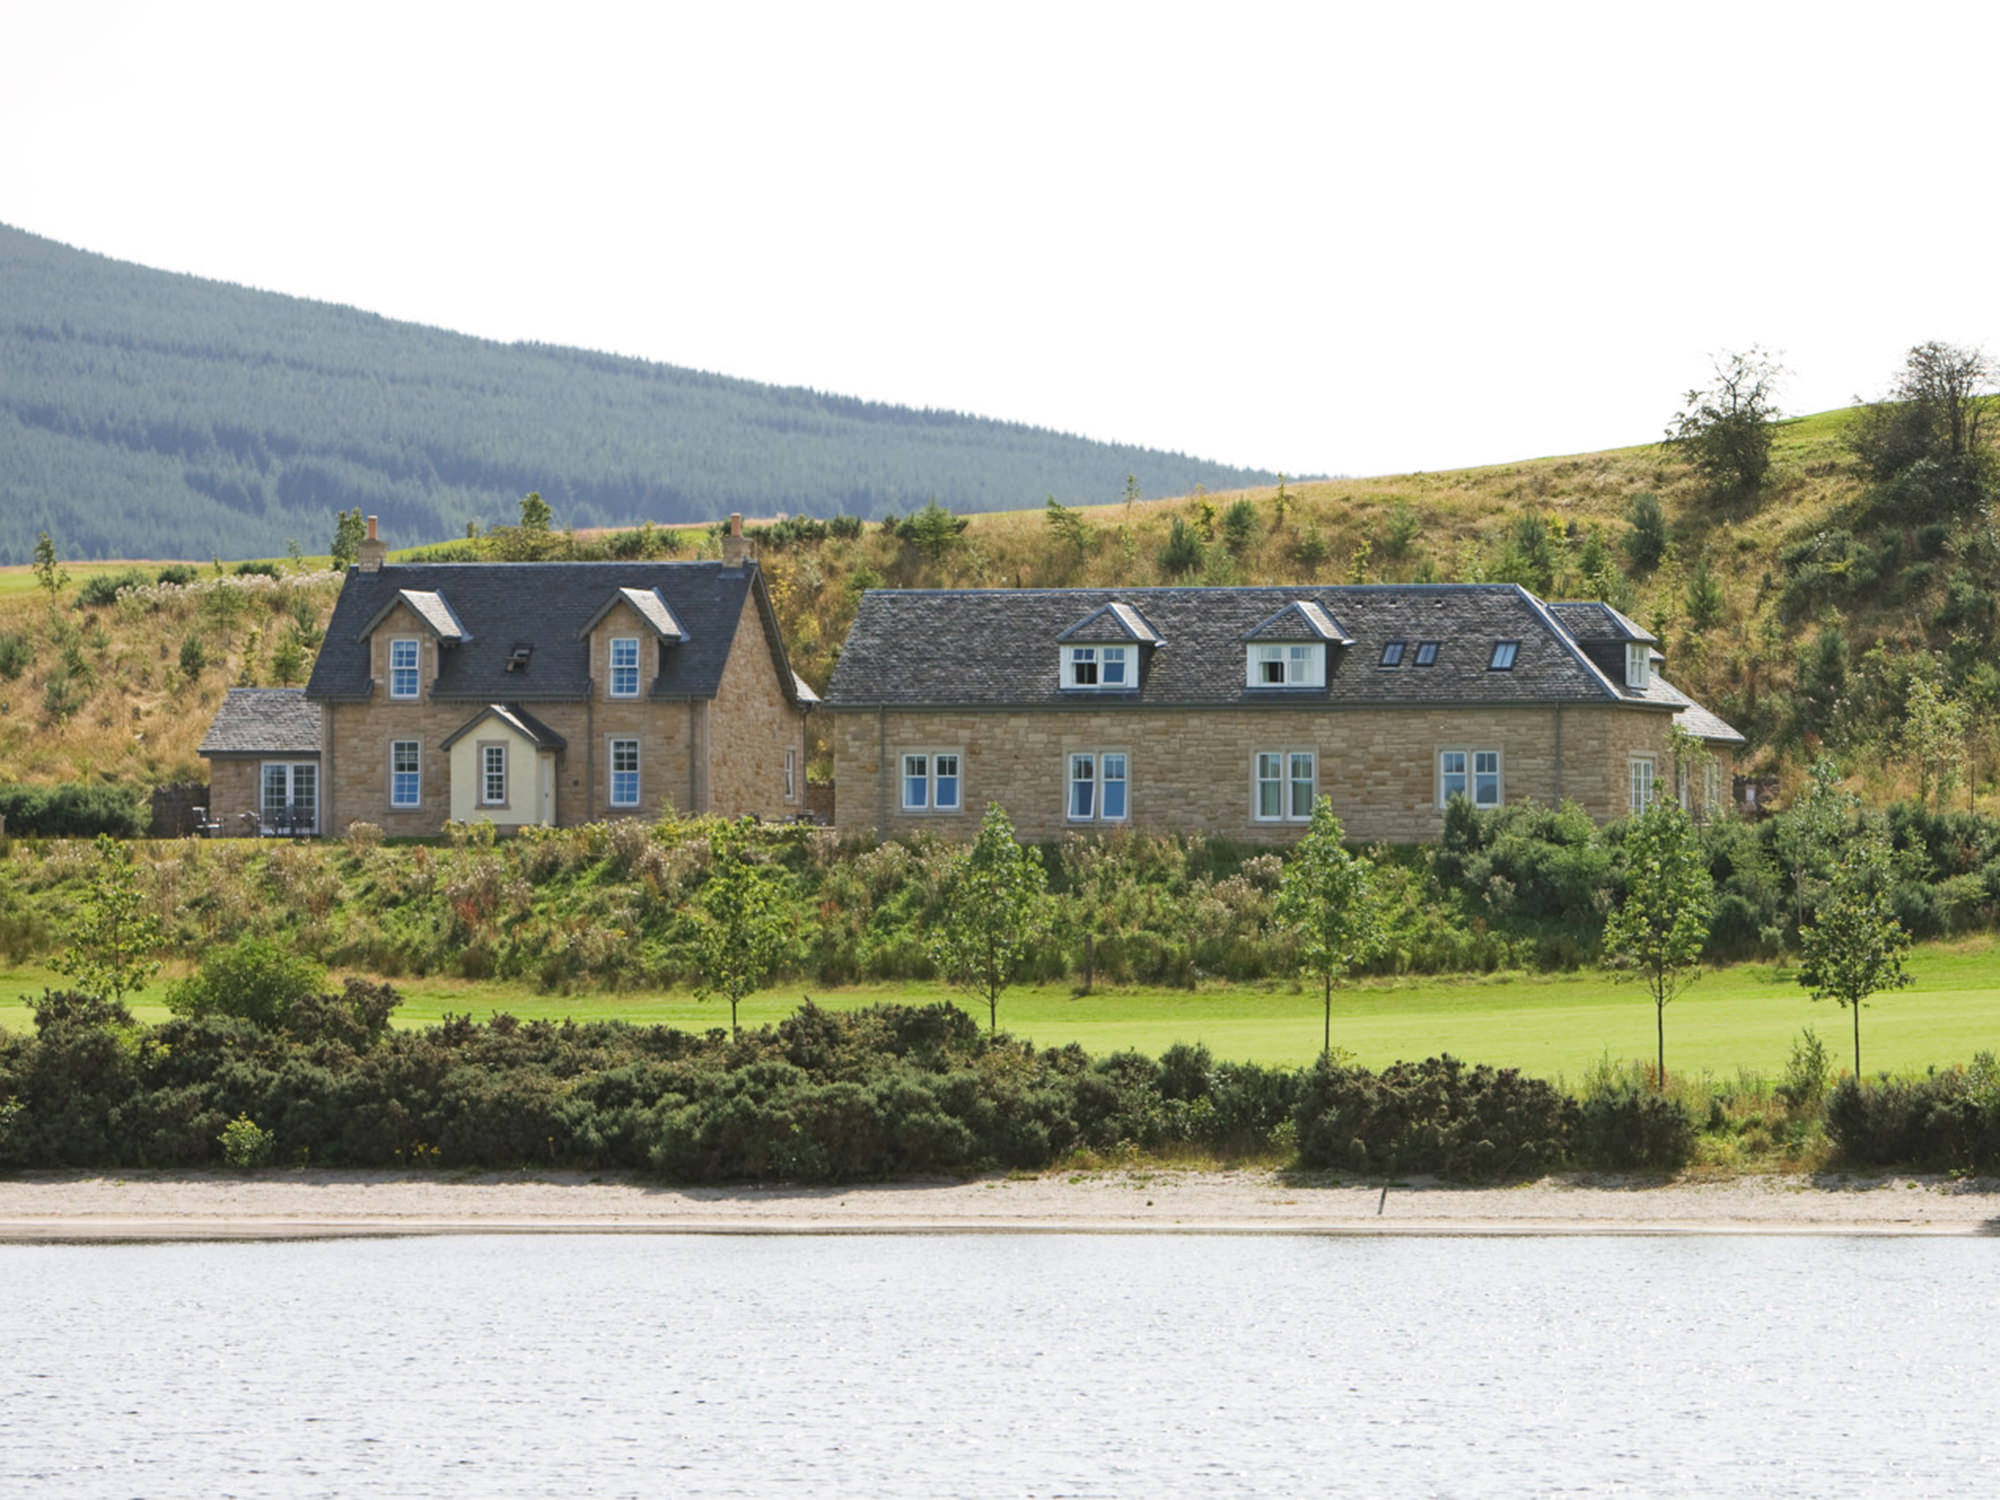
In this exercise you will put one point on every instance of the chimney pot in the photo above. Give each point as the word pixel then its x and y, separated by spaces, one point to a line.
pixel 736 523
pixel 373 551
pixel 372 536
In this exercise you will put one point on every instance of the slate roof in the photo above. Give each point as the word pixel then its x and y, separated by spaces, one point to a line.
pixel 1704 725
pixel 1300 620
pixel 545 605
pixel 1113 622
pixel 1590 620
pixel 264 721
pixel 515 718
pixel 997 648
pixel 648 606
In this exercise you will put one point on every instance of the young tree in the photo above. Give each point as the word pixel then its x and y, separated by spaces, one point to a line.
pixel 113 935
pixel 1724 429
pixel 535 512
pixel 742 920
pixel 933 531
pixel 50 575
pixel 1809 831
pixel 1854 947
pixel 1069 527
pixel 1933 734
pixel 996 909
pixel 1326 897
pixel 1656 933
pixel 350 529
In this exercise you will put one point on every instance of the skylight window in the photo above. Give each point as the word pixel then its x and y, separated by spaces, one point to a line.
pixel 1392 654
pixel 1504 653
pixel 1427 653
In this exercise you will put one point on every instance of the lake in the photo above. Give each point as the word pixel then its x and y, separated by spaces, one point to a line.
pixel 1031 1365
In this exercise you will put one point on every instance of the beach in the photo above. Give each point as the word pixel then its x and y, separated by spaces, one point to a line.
pixel 83 1207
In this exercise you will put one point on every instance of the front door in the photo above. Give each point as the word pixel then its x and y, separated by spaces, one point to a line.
pixel 548 785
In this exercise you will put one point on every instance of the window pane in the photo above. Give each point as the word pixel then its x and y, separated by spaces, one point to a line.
pixel 305 796
pixel 1503 656
pixel 1427 653
pixel 1486 778
pixel 947 780
pixel 1451 775
pixel 275 787
pixel 1082 787
pixel 1302 785
pixel 624 668
pixel 1392 654
pixel 402 669
pixel 1114 787
pixel 916 781
pixel 494 781
pixel 1083 666
pixel 624 773
pixel 1114 666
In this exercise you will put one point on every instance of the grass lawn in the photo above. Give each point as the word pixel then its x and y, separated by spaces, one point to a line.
pixel 1741 1017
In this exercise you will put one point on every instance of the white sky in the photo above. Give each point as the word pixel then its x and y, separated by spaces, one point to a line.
pixel 1325 238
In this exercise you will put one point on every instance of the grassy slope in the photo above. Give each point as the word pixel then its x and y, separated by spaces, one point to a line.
pixel 1741 1017
pixel 1463 517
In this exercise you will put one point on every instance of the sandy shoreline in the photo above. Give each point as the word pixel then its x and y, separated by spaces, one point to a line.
pixel 312 1204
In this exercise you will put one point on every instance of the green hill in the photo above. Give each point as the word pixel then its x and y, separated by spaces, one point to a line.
pixel 144 413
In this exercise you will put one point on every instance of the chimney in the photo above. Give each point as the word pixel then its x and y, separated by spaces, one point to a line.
pixel 373 550
pixel 735 551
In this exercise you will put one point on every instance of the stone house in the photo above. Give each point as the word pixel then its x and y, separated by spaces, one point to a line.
pixel 1227 711
pixel 550 693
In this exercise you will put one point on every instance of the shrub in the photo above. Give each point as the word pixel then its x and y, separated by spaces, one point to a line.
pixel 1946 1121
pixel 254 980
pixel 1437 1116
pixel 103 589
pixel 74 810
pixel 1624 1125
pixel 244 1145
pixel 177 575
pixel 1646 542
pixel 1239 527
pixel 1182 551
pixel 256 570
pixel 194 657
pixel 17 652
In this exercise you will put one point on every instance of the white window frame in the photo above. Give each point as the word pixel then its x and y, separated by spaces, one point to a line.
pixel 415 773
pixel 1711 787
pixel 1095 765
pixel 622 677
pixel 1303 664
pixel 933 773
pixel 1287 782
pixel 487 772
pixel 791 774
pixel 1470 773
pixel 611 770
pixel 1638 666
pixel 1642 781
pixel 1096 663
pixel 415 668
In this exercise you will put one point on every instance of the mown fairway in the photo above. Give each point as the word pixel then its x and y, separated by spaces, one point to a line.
pixel 1743 1017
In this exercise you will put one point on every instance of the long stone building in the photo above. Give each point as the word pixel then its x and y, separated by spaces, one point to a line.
pixel 1227 711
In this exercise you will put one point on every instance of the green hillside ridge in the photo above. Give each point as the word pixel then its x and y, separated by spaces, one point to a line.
pixel 153 414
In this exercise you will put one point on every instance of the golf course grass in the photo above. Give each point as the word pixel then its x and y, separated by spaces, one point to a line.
pixel 1743 1017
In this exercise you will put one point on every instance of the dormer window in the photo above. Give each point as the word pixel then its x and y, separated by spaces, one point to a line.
pixel 625 666
pixel 1097 667
pixel 1638 666
pixel 1276 665
pixel 1392 654
pixel 1504 653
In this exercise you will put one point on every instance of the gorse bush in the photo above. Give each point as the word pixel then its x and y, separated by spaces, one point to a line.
pixel 75 810
pixel 1439 1116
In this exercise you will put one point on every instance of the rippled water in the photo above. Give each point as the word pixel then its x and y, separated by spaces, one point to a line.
pixel 998 1365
